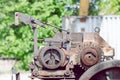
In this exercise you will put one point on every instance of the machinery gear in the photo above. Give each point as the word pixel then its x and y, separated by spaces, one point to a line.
pixel 85 49
pixel 90 54
pixel 51 57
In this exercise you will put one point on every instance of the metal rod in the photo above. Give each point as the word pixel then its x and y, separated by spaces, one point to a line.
pixel 35 42
pixel 18 76
pixel 55 26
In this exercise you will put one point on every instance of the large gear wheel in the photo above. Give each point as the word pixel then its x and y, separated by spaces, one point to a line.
pixel 90 54
pixel 51 57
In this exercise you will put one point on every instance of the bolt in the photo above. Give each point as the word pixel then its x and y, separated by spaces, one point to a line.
pixel 67 57
pixel 35 58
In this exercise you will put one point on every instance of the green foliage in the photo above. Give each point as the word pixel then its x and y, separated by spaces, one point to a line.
pixel 105 7
pixel 16 42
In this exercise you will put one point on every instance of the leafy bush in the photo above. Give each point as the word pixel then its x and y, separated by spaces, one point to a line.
pixel 16 42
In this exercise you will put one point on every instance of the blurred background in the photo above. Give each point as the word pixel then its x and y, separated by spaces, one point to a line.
pixel 16 43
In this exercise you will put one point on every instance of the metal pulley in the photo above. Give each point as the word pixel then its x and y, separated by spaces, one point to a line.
pixel 51 57
pixel 90 54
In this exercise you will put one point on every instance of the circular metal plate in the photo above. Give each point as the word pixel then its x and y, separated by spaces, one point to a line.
pixel 51 57
pixel 89 56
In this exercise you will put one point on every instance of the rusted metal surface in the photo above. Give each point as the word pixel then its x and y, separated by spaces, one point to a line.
pixel 100 67
pixel 107 26
pixel 86 51
pixel 68 51
pixel 90 54
pixel 48 73
pixel 89 57
pixel 51 57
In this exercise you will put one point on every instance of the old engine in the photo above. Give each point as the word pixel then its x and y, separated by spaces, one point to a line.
pixel 69 51
pixel 69 55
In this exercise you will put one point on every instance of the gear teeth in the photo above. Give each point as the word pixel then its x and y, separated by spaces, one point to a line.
pixel 85 45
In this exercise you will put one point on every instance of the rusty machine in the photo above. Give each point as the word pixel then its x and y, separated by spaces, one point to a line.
pixel 71 55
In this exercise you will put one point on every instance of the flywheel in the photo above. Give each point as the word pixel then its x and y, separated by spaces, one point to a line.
pixel 51 57
pixel 108 70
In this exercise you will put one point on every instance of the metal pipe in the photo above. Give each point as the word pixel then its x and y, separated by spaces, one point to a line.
pixel 35 42
pixel 84 6
pixel 18 76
